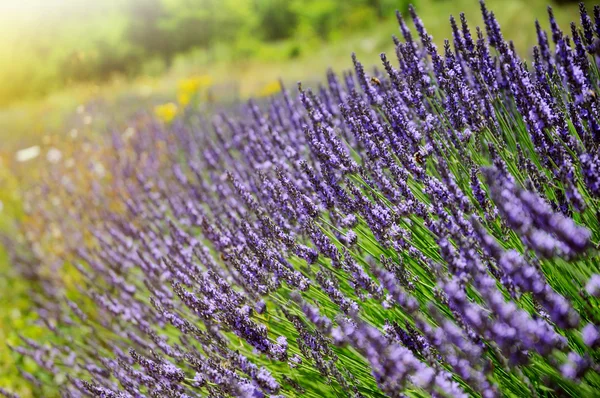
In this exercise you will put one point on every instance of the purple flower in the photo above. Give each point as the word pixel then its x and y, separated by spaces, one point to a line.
pixel 593 285
pixel 591 335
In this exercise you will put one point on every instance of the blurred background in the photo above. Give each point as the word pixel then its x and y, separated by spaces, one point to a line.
pixel 56 55
pixel 71 69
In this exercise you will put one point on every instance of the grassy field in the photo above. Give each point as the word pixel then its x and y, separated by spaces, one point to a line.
pixel 92 109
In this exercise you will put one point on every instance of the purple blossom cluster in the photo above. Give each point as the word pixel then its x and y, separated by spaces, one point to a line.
pixel 426 229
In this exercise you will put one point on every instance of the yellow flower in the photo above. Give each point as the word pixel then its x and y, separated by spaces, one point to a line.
pixel 188 88
pixel 194 83
pixel 270 88
pixel 166 112
pixel 183 98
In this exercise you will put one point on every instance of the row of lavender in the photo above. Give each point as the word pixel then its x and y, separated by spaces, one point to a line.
pixel 430 230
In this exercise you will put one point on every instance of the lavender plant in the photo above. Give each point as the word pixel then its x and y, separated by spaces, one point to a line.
pixel 430 228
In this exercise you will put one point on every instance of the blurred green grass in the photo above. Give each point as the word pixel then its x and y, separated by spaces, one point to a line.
pixel 239 70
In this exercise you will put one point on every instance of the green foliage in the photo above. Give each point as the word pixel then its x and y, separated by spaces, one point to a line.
pixel 145 31
pixel 119 37
pixel 320 17
pixel 325 17
pixel 279 20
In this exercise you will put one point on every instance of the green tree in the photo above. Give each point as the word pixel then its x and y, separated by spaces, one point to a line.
pixel 145 29
pixel 278 19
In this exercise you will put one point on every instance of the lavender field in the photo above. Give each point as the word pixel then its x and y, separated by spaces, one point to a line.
pixel 429 227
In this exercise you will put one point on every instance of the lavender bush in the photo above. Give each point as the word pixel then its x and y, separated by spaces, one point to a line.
pixel 430 228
